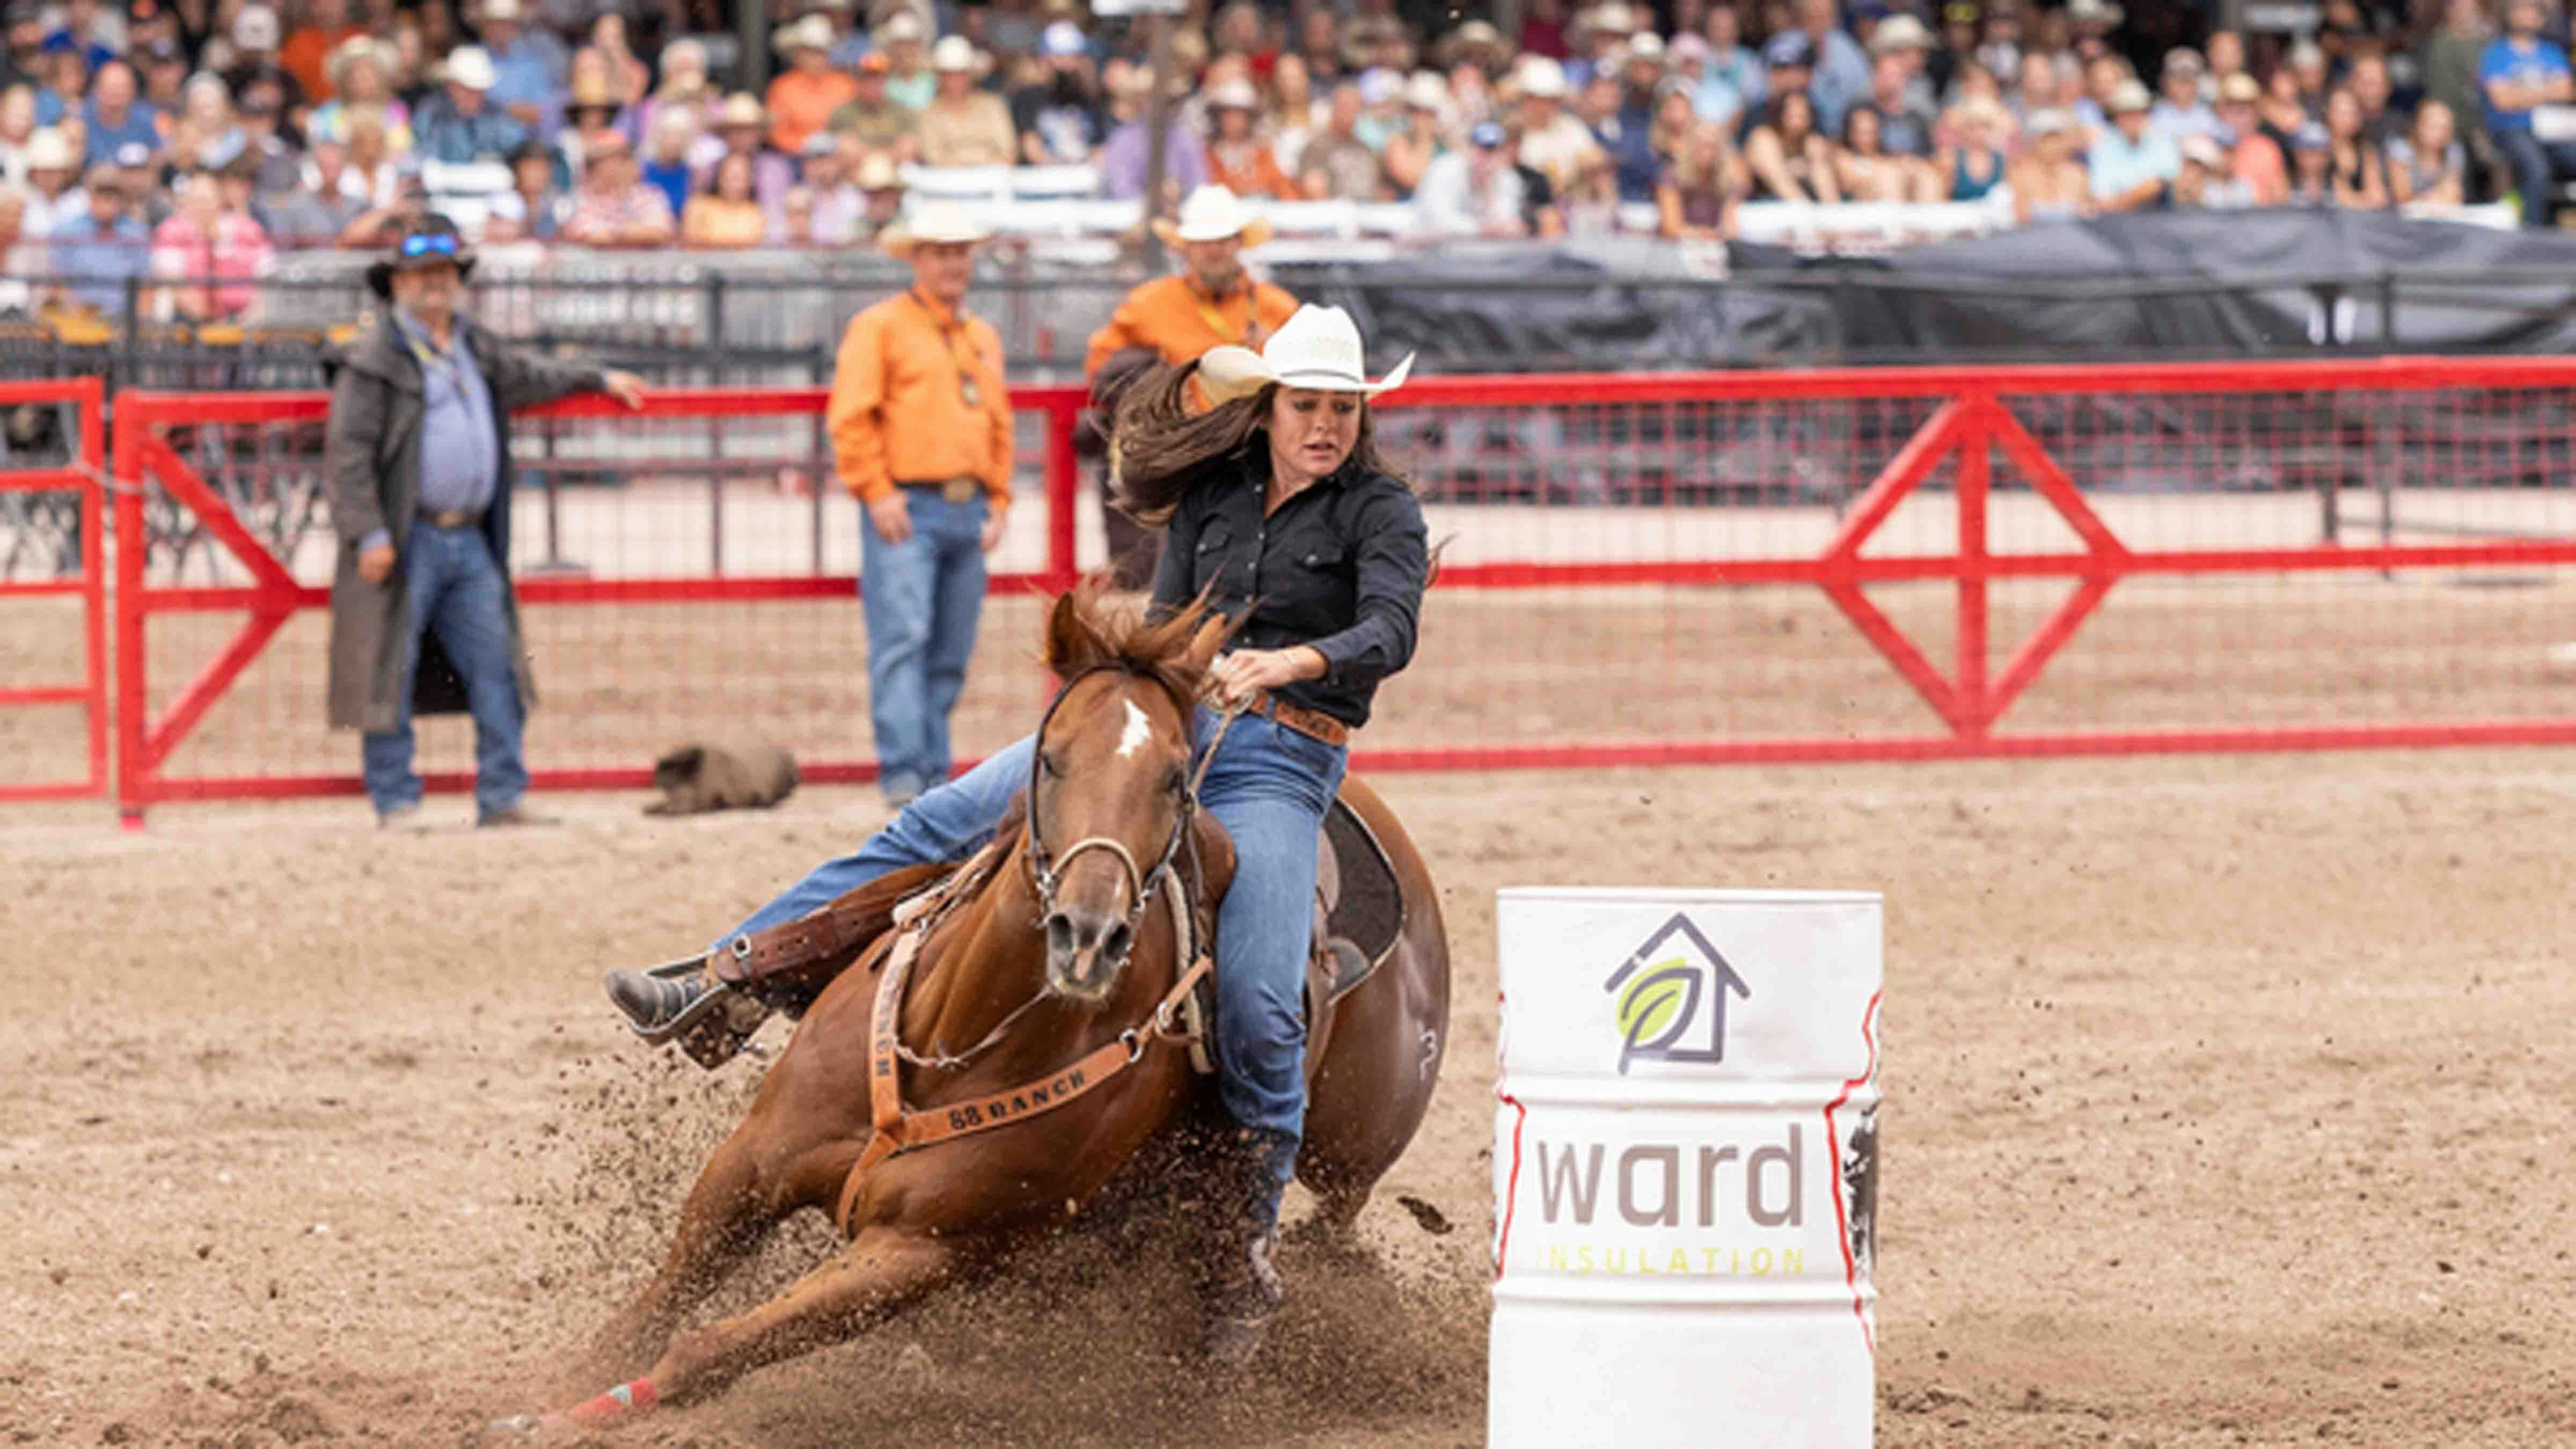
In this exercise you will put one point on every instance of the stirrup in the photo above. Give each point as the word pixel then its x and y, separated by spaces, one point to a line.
pixel 714 1027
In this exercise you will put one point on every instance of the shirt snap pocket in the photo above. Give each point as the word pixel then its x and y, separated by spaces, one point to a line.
pixel 1324 557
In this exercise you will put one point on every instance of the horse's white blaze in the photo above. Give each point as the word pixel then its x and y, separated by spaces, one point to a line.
pixel 1139 730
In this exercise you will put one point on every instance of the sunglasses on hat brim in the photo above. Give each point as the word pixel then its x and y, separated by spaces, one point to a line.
pixel 429 244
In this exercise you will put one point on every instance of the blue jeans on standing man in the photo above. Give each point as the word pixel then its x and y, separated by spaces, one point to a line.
pixel 2537 166
pixel 923 597
pixel 455 587
pixel 1269 787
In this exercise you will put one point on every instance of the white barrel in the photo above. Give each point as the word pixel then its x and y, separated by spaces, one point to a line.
pixel 1685 1169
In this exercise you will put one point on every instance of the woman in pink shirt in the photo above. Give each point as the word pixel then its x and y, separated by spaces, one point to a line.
pixel 208 254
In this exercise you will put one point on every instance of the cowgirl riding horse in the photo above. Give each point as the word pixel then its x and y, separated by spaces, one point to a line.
pixel 1278 510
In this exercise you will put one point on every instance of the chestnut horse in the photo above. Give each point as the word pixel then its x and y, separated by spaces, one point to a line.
pixel 1106 817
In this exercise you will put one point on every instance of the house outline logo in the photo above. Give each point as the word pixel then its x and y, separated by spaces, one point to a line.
pixel 1661 996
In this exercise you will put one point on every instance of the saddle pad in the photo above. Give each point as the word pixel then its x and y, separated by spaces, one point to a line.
pixel 1369 913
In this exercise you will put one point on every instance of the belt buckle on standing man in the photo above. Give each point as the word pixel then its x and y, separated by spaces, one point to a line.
pixel 415 456
pixel 921 428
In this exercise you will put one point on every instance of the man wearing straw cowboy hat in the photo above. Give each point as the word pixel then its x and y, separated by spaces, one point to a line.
pixel 422 617
pixel 1210 301
pixel 921 425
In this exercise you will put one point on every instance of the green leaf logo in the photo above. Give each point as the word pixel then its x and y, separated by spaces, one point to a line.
pixel 1656 1005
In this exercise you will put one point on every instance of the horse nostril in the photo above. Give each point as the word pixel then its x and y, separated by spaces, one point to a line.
pixel 1113 946
pixel 1059 934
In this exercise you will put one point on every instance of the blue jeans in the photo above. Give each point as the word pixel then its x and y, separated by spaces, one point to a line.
pixel 2536 165
pixel 455 587
pixel 1269 787
pixel 923 597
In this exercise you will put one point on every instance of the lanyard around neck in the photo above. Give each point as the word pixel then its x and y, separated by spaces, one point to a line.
pixel 950 329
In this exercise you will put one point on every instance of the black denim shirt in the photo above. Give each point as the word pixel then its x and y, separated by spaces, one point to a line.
pixel 1340 568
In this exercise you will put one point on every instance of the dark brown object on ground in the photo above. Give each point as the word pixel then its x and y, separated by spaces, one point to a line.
pixel 699 777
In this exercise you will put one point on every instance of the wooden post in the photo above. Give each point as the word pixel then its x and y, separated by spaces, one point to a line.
pixel 1158 131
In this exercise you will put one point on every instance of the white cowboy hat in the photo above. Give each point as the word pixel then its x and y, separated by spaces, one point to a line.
pixel 812 32
pixel 1317 347
pixel 953 53
pixel 1212 213
pixel 1233 93
pixel 335 66
pixel 471 67
pixel 877 173
pixel 256 28
pixel 742 108
pixel 48 150
pixel 941 223
pixel 1542 77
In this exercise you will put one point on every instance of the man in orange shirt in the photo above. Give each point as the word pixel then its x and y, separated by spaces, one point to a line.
pixel 306 53
pixel 1208 302
pixel 921 425
pixel 806 94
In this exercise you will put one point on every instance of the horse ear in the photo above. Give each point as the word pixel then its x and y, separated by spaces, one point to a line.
pixel 1072 645
pixel 1204 644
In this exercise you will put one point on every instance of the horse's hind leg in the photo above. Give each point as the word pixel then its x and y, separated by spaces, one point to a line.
pixel 879 1271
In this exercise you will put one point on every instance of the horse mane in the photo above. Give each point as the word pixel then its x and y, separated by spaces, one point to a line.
pixel 1088 630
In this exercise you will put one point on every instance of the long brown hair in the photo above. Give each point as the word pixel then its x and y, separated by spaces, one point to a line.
pixel 1163 444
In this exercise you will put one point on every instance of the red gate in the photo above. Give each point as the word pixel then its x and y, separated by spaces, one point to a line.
pixel 81 478
pixel 1641 570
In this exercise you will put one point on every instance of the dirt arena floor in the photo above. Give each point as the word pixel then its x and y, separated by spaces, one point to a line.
pixel 2227 1104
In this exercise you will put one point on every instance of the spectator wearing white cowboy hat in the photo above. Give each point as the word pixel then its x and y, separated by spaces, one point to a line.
pixel 921 426
pixel 256 34
pixel 462 124
pixel 1593 44
pixel 1210 301
pixel 964 125
pixel 742 126
pixel 1426 130
pixel 2130 166
pixel 805 95
pixel 1239 158
pixel 904 39
pixel 1554 142
pixel 531 69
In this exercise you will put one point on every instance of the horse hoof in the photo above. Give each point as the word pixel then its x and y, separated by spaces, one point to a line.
pixel 1233 1342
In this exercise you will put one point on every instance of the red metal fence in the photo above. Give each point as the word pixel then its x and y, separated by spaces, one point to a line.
pixel 1640 570
pixel 52 532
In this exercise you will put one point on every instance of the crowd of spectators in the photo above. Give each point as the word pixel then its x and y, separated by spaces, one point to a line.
pixel 192 138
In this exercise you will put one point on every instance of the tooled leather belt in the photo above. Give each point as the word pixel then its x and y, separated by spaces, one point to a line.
pixel 1313 724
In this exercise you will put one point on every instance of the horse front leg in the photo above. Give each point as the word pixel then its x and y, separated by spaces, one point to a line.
pixel 881 1270
pixel 729 1213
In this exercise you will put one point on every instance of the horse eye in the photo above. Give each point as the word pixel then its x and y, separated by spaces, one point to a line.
pixel 1178 782
pixel 1048 766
